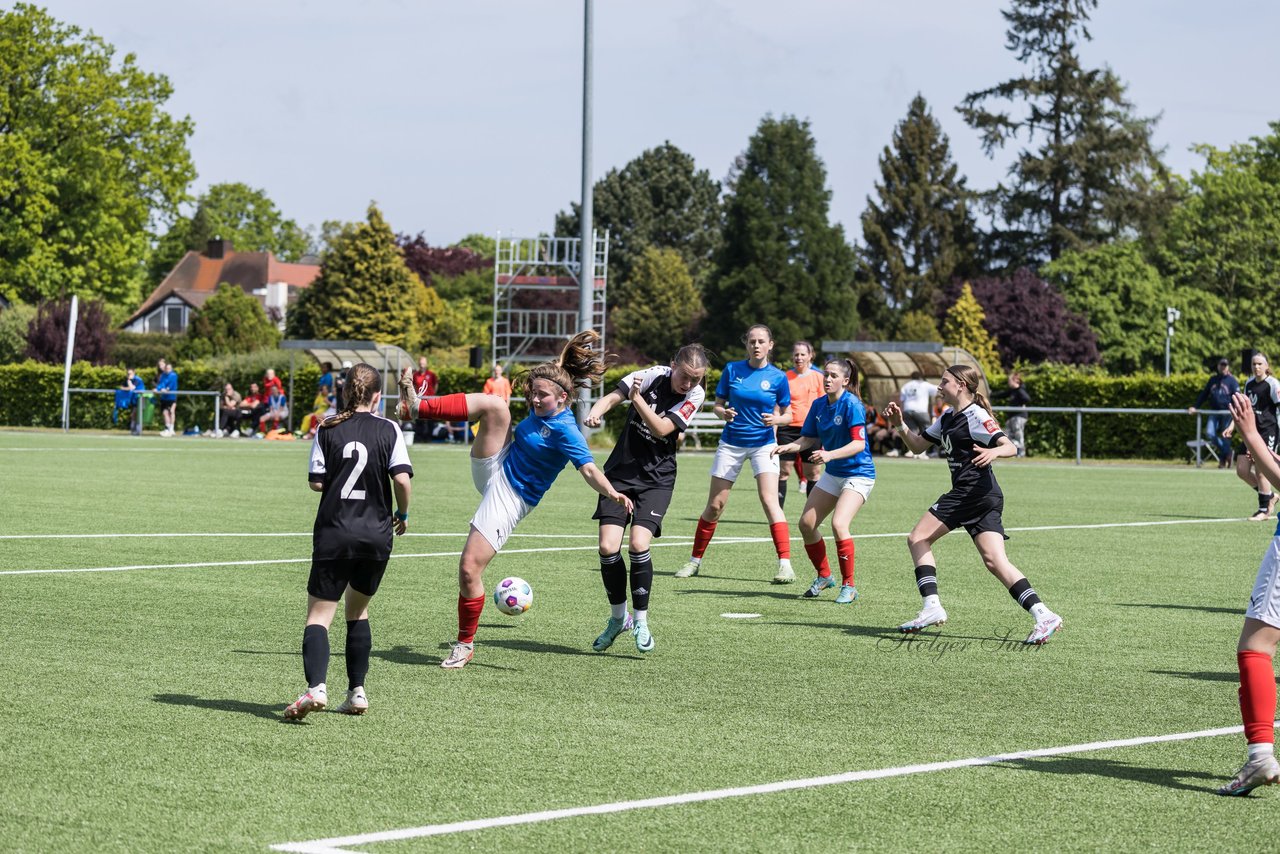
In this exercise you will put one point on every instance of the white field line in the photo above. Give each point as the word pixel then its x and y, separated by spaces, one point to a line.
pixel 339 844
pixel 271 534
pixel 669 544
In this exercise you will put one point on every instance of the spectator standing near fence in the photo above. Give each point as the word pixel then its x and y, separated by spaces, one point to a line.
pixel 1256 649
pixel 166 394
pixel 1263 391
pixel 916 400
pixel 1016 423
pixel 427 384
pixel 498 384
pixel 127 396
pixel 1217 393
pixel 806 383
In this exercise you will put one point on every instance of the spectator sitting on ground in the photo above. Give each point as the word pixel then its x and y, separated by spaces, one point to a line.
pixel 883 439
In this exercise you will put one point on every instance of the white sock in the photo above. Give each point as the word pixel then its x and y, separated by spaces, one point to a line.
pixel 1040 611
pixel 618 611
pixel 696 561
pixel 642 616
pixel 932 601
pixel 1261 748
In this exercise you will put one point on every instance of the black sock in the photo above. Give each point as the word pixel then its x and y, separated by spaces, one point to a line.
pixel 927 580
pixel 359 643
pixel 782 493
pixel 641 580
pixel 614 574
pixel 315 655
pixel 1264 501
pixel 1023 593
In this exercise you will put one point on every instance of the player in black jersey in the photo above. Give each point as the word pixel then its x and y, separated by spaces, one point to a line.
pixel 643 467
pixel 357 460
pixel 1263 391
pixel 971 440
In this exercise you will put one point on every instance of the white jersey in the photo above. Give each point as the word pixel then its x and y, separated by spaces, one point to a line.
pixel 916 395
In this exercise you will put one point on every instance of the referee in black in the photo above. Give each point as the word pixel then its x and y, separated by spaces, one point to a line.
pixel 357 459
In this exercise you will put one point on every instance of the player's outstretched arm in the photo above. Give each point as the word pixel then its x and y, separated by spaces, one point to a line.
pixel 600 407
pixel 597 481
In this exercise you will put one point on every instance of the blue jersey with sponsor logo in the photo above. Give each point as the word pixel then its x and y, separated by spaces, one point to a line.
pixel 836 425
pixel 538 452
pixel 752 393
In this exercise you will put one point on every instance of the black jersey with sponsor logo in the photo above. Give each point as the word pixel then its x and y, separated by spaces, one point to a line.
pixel 640 457
pixel 1264 394
pixel 355 461
pixel 958 434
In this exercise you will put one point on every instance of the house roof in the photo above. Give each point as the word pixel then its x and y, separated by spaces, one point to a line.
pixel 198 275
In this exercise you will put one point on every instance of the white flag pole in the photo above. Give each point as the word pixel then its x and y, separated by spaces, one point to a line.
pixel 66 371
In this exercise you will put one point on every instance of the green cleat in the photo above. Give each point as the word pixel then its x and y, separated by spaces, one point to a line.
pixel 644 640
pixel 612 629
pixel 847 594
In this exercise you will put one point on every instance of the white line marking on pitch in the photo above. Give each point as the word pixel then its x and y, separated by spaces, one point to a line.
pixel 270 534
pixel 669 544
pixel 338 844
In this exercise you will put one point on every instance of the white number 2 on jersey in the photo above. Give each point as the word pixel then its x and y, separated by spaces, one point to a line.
pixel 361 454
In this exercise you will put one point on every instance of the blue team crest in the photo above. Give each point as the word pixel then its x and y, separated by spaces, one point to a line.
pixel 545 432
pixel 839 419
pixel 764 384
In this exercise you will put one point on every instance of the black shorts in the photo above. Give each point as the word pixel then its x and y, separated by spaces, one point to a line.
pixel 787 435
pixel 165 405
pixel 1269 438
pixel 977 514
pixel 330 576
pixel 650 502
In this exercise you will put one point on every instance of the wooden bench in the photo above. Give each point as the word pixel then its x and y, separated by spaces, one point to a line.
pixel 703 423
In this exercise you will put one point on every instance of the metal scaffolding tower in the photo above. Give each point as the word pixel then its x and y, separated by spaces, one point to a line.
pixel 535 295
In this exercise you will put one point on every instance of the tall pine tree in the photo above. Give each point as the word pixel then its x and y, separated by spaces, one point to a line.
pixel 782 263
pixel 1088 171
pixel 920 233
pixel 364 290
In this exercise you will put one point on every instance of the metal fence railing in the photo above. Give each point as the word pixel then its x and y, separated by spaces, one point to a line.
pixel 1195 444
pixel 141 402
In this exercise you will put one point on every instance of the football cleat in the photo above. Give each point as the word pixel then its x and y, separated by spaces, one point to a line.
pixel 786 575
pixel 819 584
pixel 407 408
pixel 934 616
pixel 355 704
pixel 690 569
pixel 613 628
pixel 314 700
pixel 1263 771
pixel 1044 629
pixel 459 656
pixel 644 640
pixel 847 594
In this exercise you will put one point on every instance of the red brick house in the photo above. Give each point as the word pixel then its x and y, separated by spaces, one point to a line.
pixel 198 274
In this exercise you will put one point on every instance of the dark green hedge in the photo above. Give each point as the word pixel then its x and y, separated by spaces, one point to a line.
pixel 30 396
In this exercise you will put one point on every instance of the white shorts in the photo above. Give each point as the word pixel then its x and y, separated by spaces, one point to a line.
pixel 501 509
pixel 835 485
pixel 730 459
pixel 1264 602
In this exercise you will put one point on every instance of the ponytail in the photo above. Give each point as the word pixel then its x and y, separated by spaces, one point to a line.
pixel 970 378
pixel 578 366
pixel 362 383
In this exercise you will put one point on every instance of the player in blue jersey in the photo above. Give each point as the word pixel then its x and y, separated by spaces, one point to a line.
pixel 837 426
pixel 513 475
pixel 753 398
pixel 971 440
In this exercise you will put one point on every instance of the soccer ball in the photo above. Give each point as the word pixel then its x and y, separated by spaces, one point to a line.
pixel 513 596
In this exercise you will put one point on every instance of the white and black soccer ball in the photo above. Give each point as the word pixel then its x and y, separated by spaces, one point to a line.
pixel 513 596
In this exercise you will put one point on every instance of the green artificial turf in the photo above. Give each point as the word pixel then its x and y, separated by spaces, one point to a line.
pixel 143 706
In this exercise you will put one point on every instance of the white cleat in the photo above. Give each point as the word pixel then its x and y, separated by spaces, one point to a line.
pixel 690 569
pixel 786 575
pixel 932 616
pixel 1263 771
pixel 1044 629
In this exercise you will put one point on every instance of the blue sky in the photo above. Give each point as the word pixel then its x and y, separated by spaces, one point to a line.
pixel 459 117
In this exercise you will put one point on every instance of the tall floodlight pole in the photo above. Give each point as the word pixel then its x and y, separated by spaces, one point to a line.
pixel 586 276
pixel 586 246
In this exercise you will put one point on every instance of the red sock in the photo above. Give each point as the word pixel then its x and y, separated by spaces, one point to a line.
pixel 800 469
pixel 469 617
pixel 702 537
pixel 844 553
pixel 818 557
pixel 781 539
pixel 450 407
pixel 1257 696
